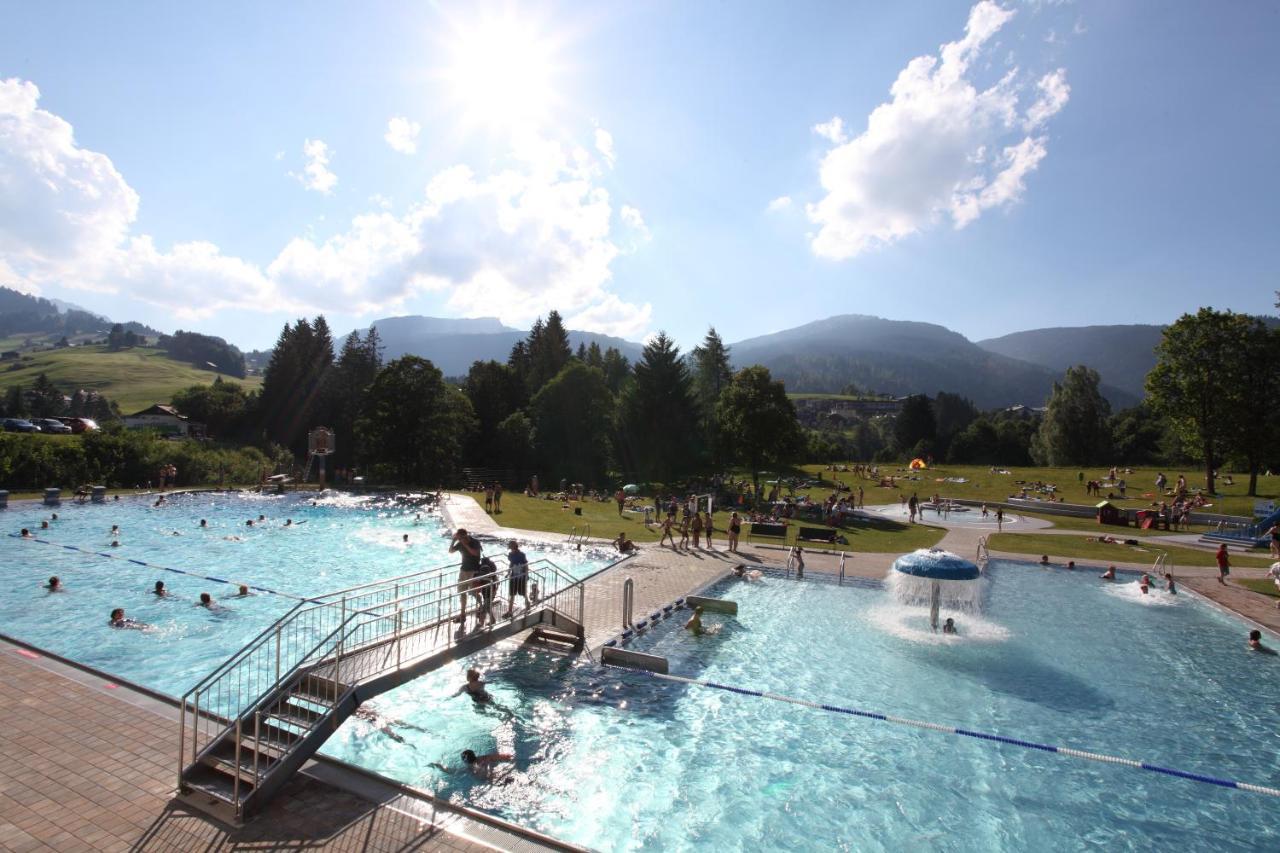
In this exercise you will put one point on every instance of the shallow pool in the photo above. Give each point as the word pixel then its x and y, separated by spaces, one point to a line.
pixel 617 760
pixel 959 516
pixel 335 541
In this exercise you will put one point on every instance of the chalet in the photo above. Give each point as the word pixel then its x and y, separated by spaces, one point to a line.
pixel 165 419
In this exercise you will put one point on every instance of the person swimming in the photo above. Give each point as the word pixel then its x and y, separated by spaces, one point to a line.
pixel 26 534
pixel 203 523
pixel 1109 574
pixel 207 602
pixel 949 627
pixel 694 625
pixel 44 525
pixel 740 571
pixel 386 725
pixel 474 687
pixel 1145 583
pixel 159 591
pixel 244 591
pixel 1255 643
pixel 1071 565
pixel 115 543
pixel 115 531
pixel 54 584
pixel 1044 559
pixel 1169 585
pixel 119 620
pixel 480 765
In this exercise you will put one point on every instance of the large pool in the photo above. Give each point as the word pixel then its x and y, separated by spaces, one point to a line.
pixel 335 541
pixel 617 760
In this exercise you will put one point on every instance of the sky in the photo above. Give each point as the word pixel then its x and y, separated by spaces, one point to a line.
pixel 644 166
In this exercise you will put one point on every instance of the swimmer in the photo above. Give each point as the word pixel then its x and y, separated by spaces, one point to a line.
pixel 949 627
pixel 203 524
pixel 1071 565
pixel 160 591
pixel 694 625
pixel 474 687
pixel 1255 643
pixel 261 518
pixel 1169 585
pixel 480 765
pixel 623 544
pixel 405 539
pixel 244 591
pixel 1145 583
pixel 799 562
pixel 234 538
pixel 44 525
pixel 207 602
pixel 119 620
pixel 288 522
pixel 115 543
pixel 175 533
pixel 54 585
pixel 740 571
pixel 370 715
pixel 249 523
pixel 1044 559
pixel 115 531
pixel 1109 574
pixel 26 534
pixel 53 517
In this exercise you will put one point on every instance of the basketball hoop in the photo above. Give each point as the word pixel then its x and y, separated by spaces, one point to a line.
pixel 320 441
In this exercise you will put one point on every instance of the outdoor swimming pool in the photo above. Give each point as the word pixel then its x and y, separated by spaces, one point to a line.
pixel 336 542
pixel 617 760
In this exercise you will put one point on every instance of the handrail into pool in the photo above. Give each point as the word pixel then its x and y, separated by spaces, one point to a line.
pixel 283 694
pixel 842 557
pixel 984 553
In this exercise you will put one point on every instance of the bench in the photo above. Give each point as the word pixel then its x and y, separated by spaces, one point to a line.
pixel 766 530
pixel 816 534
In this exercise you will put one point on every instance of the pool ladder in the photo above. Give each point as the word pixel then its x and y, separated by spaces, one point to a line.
pixel 984 555
pixel 840 581
pixel 579 536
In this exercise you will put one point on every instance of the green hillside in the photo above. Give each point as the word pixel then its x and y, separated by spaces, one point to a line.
pixel 134 378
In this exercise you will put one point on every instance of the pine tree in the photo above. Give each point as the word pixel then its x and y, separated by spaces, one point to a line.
pixel 659 424
pixel 711 375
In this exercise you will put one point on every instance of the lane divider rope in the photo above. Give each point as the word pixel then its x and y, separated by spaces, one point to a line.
pixel 145 564
pixel 939 727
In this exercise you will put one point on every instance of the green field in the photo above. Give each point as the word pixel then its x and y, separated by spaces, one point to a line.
pixel 528 513
pixel 982 485
pixel 135 378
pixel 1263 585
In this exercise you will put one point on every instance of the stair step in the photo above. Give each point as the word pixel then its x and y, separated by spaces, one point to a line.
pixel 226 765
pixel 298 716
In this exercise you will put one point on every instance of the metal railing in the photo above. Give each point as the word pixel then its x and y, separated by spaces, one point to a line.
pixel 321 650
pixel 578 536
pixel 1162 564
pixel 628 601
pixel 984 554
pixel 840 581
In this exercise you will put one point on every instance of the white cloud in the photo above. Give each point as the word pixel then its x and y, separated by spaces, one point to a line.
pixel 604 144
pixel 779 204
pixel 612 316
pixel 316 175
pixel 634 220
pixel 924 153
pixel 1054 93
pixel 534 235
pixel 402 135
pixel 832 131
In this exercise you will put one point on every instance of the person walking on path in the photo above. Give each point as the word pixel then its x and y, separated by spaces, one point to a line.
pixel 666 533
pixel 1224 563
pixel 621 497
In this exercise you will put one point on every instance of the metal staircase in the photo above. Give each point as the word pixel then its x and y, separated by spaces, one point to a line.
pixel 249 725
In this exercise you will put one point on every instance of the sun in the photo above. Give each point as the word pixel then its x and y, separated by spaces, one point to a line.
pixel 501 71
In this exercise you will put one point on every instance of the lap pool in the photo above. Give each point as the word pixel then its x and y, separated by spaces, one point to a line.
pixel 335 541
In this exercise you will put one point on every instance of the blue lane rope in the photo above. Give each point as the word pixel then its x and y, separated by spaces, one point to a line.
pixel 145 564
pixel 939 727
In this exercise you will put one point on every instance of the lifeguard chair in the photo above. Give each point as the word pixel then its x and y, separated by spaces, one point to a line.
pixel 319 445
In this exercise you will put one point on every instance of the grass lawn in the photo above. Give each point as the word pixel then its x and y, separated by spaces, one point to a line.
pixel 1263 585
pixel 1077 547
pixel 536 514
pixel 135 378
pixel 981 484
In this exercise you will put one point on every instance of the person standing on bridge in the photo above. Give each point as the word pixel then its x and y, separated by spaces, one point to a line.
pixel 469 548
pixel 517 578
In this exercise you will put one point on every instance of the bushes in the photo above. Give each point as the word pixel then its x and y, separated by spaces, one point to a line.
pixel 121 458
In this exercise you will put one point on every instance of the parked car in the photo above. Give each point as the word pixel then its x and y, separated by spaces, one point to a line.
pixel 19 425
pixel 52 425
pixel 79 425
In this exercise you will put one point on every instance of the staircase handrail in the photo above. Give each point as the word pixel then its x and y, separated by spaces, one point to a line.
pixel 316 603
pixel 334 645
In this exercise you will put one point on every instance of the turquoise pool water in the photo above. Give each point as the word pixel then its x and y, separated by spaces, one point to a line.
pixel 967 517
pixel 620 761
pixel 336 541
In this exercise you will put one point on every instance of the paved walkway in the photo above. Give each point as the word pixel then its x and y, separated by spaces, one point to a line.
pixel 86 765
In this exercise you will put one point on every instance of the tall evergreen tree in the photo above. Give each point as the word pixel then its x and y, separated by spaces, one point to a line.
pixel 711 375
pixel 659 427
pixel 291 400
pixel 571 422
pixel 496 393
pixel 1076 429
pixel 549 350
pixel 616 367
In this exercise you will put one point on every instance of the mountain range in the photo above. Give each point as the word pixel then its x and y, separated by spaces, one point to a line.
pixel 871 353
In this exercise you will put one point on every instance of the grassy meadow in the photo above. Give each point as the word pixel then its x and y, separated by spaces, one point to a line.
pixel 135 378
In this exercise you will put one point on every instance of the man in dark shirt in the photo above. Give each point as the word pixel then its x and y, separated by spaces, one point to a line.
pixel 469 547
